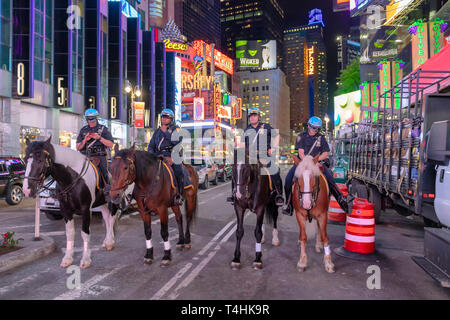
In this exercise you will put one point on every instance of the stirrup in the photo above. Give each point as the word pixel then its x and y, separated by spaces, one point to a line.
pixel 279 200
pixel 287 210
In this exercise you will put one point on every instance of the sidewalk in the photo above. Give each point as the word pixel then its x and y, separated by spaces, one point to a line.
pixel 31 251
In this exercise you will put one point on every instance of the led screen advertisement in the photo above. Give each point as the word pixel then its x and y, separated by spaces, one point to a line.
pixel 256 54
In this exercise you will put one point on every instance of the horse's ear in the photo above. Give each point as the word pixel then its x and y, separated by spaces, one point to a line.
pixel 296 159
pixel 116 148
pixel 316 159
pixel 49 140
pixel 132 149
pixel 27 141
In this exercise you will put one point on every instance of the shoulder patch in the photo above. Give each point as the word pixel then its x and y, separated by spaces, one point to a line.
pixel 299 137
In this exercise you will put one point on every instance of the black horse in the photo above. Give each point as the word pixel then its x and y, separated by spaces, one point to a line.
pixel 77 189
pixel 252 190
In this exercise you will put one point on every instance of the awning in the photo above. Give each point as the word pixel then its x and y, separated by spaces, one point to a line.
pixel 439 62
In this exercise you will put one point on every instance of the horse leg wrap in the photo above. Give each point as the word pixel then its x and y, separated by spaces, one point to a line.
pixel 258 247
pixel 166 246
pixel 148 244
pixel 327 250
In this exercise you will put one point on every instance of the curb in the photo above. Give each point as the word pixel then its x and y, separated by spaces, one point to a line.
pixel 33 250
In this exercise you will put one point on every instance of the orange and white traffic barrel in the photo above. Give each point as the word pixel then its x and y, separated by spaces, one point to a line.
pixel 335 212
pixel 360 228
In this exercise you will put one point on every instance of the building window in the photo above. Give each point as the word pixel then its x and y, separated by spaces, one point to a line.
pixel 78 53
pixel 43 41
pixel 5 35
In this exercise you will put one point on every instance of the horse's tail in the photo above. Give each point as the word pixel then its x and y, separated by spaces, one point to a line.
pixel 271 212
pixel 194 179
pixel 311 229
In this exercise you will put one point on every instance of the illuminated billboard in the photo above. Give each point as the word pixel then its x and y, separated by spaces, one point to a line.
pixel 221 61
pixel 341 5
pixel 256 54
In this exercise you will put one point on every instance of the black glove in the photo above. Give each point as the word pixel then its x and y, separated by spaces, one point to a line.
pixel 325 162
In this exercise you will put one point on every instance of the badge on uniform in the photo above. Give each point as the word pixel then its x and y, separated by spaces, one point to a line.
pixel 299 138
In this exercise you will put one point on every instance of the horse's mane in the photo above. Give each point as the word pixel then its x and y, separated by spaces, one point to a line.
pixel 307 164
pixel 143 158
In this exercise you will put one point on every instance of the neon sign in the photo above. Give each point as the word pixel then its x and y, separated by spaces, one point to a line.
pixel 221 61
pixel 311 61
pixel 198 82
pixel 217 119
pixel 175 45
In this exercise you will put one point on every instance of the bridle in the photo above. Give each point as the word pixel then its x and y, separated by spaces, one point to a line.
pixel 245 185
pixel 41 178
pixel 131 173
pixel 314 195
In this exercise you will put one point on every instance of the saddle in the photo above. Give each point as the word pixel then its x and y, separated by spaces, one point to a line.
pixel 100 181
pixel 186 177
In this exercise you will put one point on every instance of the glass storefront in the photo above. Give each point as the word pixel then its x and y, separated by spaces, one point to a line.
pixel 30 133
pixel 5 35
pixel 68 139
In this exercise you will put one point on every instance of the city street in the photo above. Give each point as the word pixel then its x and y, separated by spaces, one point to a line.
pixel 204 271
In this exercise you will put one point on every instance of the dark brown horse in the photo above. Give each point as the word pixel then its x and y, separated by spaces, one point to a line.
pixel 252 191
pixel 153 192
pixel 310 199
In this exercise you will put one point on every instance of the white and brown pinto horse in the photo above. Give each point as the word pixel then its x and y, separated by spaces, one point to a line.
pixel 76 189
pixel 310 198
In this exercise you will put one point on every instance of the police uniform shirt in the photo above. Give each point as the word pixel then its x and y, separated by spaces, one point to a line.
pixel 106 134
pixel 161 142
pixel 261 130
pixel 305 142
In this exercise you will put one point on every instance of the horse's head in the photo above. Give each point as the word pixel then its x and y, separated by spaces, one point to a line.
pixel 242 173
pixel 123 170
pixel 307 178
pixel 39 157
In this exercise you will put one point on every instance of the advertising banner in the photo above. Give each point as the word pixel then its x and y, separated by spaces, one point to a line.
pixel 256 54
pixel 177 89
pixel 199 109
pixel 139 114
pixel 341 5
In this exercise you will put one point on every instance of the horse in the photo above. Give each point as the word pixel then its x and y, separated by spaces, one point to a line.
pixel 252 191
pixel 153 192
pixel 310 198
pixel 77 190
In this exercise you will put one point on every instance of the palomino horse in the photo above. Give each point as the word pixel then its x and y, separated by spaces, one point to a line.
pixel 76 189
pixel 153 192
pixel 310 199
pixel 252 191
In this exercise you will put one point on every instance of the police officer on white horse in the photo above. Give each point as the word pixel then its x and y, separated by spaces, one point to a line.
pixel 312 142
pixel 93 141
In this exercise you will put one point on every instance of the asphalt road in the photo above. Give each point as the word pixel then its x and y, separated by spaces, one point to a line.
pixel 204 271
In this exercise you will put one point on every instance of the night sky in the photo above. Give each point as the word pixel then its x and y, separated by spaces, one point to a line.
pixel 336 23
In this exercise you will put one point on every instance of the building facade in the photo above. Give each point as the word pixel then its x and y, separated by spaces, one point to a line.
pixel 268 91
pixel 306 71
pixel 199 20
pixel 59 58
pixel 251 20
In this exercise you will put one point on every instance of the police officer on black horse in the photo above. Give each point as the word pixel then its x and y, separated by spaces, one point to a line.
pixel 262 129
pixel 93 141
pixel 161 144
pixel 312 142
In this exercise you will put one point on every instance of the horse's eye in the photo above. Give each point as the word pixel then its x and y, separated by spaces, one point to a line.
pixel 126 168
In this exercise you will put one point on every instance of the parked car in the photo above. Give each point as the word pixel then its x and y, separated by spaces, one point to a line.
pixel 224 172
pixel 12 172
pixel 49 205
pixel 206 170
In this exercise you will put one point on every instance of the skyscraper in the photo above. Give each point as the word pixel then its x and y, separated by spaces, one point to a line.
pixel 199 20
pixel 251 20
pixel 305 65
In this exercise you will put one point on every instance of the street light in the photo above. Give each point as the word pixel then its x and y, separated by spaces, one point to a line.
pixel 327 119
pixel 135 93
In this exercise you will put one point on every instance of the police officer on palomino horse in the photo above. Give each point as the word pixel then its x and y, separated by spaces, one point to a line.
pixel 93 141
pixel 312 143
pixel 161 145
pixel 262 129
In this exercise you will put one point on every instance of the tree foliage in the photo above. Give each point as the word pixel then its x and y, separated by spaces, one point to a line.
pixel 349 79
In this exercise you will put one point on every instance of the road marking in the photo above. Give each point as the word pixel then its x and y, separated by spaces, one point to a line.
pixel 20 283
pixel 209 199
pixel 206 248
pixel 161 292
pixel 89 287
pixel 54 233
pixel 225 184
pixel 202 264
pixel 171 282
pixel 29 225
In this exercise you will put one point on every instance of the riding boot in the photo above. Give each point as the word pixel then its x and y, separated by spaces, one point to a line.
pixel 231 198
pixel 287 208
pixel 276 179
pixel 179 195
pixel 339 197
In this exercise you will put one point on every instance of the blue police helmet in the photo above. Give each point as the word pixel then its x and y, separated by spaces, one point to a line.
pixel 253 110
pixel 315 122
pixel 91 113
pixel 168 113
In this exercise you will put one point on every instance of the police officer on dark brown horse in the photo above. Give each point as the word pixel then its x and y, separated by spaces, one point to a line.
pixel 258 127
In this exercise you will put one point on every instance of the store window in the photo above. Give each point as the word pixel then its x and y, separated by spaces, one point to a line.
pixel 5 35
pixel 28 133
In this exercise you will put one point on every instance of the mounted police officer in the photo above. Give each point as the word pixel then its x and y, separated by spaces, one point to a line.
pixel 252 138
pixel 161 144
pixel 312 143
pixel 93 141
